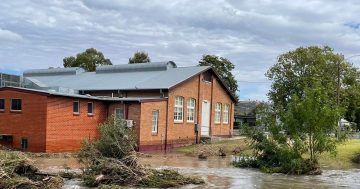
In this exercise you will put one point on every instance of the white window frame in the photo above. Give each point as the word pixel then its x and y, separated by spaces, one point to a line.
pixel 3 109
pixel 226 114
pixel 11 105
pixel 92 108
pixel 155 121
pixel 217 113
pixel 78 105
pixel 191 104
pixel 179 109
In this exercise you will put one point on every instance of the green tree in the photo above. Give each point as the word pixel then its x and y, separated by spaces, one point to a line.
pixel 306 66
pixel 304 97
pixel 310 121
pixel 139 57
pixel 223 68
pixel 87 60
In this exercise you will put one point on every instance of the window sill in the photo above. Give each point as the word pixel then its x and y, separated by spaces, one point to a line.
pixel 76 114
pixel 217 123
pixel 178 122
pixel 154 133
pixel 191 122
pixel 90 115
pixel 2 110
pixel 16 111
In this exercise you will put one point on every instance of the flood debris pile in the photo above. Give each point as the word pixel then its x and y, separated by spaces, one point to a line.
pixel 16 171
pixel 112 160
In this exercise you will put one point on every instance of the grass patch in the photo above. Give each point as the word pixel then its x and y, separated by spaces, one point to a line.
pixel 342 160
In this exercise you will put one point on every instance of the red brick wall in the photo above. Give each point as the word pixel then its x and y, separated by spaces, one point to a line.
pixel 180 133
pixel 66 130
pixel 29 123
pixel 148 139
pixel 220 96
pixel 213 92
pixel 134 113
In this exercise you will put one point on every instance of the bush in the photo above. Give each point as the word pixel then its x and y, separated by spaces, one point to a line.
pixel 112 161
pixel 271 156
pixel 356 158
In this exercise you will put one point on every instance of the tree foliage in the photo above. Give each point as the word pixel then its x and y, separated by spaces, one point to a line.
pixel 304 110
pixel 139 57
pixel 87 60
pixel 223 68
pixel 306 66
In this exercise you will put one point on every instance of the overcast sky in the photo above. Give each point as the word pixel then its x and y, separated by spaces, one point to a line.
pixel 252 33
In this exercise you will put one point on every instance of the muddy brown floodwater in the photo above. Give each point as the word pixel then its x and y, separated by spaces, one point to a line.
pixel 218 173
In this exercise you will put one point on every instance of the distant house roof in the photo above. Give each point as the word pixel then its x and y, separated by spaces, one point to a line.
pixel 111 99
pixel 143 76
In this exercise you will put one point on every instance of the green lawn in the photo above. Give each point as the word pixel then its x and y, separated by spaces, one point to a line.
pixel 342 160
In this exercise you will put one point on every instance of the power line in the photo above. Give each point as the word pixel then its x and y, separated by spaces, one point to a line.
pixel 243 81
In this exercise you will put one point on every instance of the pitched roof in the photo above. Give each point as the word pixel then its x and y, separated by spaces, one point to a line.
pixel 105 98
pixel 161 75
pixel 143 76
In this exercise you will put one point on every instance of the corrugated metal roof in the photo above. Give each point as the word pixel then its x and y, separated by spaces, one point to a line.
pixel 122 77
pixel 53 71
pixel 120 99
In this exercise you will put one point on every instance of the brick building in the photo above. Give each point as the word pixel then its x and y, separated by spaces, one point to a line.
pixel 167 106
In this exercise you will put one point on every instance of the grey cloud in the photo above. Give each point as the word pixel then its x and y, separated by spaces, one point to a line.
pixel 249 33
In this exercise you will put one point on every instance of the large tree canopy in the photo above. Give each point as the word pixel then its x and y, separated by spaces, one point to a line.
pixel 305 66
pixel 223 67
pixel 139 57
pixel 88 60
pixel 305 109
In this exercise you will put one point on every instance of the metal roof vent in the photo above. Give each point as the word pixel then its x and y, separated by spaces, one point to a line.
pixel 53 72
pixel 140 67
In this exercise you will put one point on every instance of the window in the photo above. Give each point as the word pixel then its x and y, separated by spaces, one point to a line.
pixel 217 112
pixel 155 121
pixel 226 114
pixel 24 143
pixel 207 77
pixel 2 104
pixel 76 107
pixel 15 104
pixel 119 113
pixel 178 109
pixel 90 108
pixel 191 110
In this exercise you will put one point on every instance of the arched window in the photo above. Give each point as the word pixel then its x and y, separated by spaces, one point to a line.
pixel 191 110
pixel 178 109
pixel 226 114
pixel 218 113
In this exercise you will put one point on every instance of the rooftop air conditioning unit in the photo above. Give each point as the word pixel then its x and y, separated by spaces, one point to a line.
pixel 129 123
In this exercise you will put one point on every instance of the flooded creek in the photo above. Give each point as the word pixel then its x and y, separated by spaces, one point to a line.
pixel 219 173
